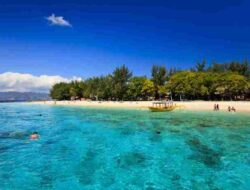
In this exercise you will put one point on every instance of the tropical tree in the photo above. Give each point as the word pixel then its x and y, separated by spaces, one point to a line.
pixel 207 85
pixel 120 78
pixel 148 89
pixel 91 88
pixel 178 84
pixel 200 67
pixel 104 89
pixel 232 85
pixel 159 77
pixel 218 68
pixel 76 88
pixel 135 87
pixel 60 91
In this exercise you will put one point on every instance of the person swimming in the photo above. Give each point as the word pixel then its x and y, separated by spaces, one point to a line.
pixel 34 136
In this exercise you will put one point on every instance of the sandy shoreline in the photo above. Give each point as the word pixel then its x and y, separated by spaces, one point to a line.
pixel 189 105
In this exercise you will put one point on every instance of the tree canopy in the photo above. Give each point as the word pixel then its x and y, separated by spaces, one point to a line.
pixel 159 77
pixel 214 82
pixel 208 85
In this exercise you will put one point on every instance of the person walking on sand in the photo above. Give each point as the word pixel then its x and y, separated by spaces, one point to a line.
pixel 217 107
pixel 229 108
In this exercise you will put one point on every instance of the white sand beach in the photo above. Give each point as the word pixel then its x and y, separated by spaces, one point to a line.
pixel 240 106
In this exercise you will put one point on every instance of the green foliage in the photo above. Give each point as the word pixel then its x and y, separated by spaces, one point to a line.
pixel 148 89
pixel 75 89
pixel 135 87
pixel 60 91
pixel 140 88
pixel 201 67
pixel 232 84
pixel 120 78
pixel 159 77
pixel 98 88
pixel 219 81
pixel 218 68
pixel 179 83
pixel 234 66
pixel 207 85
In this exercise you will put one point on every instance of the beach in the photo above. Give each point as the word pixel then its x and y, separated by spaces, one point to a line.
pixel 240 106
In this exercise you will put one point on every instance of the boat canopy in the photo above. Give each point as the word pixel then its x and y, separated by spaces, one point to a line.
pixel 163 104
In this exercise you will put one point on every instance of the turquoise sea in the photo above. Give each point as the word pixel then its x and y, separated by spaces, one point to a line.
pixel 89 148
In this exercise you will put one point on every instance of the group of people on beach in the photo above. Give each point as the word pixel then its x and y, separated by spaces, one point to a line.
pixel 230 109
pixel 216 107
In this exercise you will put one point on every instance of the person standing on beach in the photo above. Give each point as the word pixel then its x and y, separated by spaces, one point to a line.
pixel 215 107
pixel 218 107
pixel 233 109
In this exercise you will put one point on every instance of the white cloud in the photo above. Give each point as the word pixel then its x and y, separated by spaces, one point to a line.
pixel 20 82
pixel 58 20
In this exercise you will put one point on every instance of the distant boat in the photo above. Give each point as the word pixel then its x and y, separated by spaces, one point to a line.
pixel 162 106
pixel 154 109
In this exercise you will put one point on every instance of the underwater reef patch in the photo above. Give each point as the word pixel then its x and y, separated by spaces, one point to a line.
pixel 205 154
pixel 130 159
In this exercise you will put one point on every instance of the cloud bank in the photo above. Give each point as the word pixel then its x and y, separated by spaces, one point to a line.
pixel 58 20
pixel 20 82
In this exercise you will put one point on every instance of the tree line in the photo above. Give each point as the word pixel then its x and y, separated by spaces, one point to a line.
pixel 227 81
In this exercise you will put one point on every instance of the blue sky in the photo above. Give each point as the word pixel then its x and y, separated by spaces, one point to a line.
pixel 106 34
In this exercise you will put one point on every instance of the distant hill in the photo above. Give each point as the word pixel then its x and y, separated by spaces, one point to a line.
pixel 23 96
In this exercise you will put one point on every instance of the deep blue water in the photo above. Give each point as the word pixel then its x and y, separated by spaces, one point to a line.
pixel 84 148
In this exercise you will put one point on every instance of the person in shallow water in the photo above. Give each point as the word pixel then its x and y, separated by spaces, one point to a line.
pixel 34 136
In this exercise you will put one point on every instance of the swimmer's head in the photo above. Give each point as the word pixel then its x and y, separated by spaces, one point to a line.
pixel 34 136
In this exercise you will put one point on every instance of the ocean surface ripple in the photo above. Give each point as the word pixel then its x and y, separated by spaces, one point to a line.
pixel 89 148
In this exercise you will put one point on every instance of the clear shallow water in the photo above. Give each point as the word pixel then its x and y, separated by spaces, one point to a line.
pixel 91 149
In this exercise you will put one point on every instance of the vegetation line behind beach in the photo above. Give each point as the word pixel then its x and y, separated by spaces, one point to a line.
pixel 227 81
